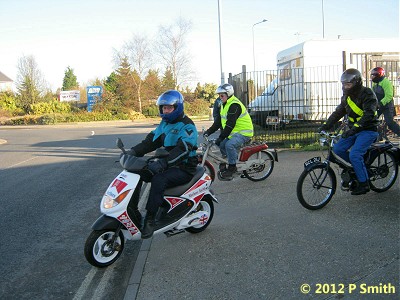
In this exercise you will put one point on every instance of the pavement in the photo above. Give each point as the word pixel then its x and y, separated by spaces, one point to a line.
pixel 262 244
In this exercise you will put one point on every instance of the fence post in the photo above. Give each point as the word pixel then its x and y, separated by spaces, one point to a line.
pixel 245 94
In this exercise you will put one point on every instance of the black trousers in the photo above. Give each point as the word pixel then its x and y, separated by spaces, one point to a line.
pixel 388 113
pixel 160 182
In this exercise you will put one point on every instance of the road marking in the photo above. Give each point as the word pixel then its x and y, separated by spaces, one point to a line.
pixel 21 162
pixel 85 284
pixel 103 284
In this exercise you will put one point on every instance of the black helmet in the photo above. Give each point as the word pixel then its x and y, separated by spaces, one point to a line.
pixel 352 76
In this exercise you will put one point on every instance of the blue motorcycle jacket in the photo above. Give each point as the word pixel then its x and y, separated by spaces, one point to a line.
pixel 179 139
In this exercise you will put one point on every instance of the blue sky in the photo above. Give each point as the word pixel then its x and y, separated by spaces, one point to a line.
pixel 82 34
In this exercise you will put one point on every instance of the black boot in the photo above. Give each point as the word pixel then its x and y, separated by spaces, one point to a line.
pixel 362 188
pixel 149 224
pixel 222 167
pixel 228 173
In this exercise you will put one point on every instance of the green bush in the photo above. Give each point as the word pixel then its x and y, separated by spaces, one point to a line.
pixel 150 110
pixel 198 107
pixel 54 106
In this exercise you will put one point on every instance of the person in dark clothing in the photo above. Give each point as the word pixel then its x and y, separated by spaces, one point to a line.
pixel 359 103
pixel 217 108
pixel 237 129
pixel 178 134
pixel 383 90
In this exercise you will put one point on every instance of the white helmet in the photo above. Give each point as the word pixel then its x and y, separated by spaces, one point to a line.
pixel 225 88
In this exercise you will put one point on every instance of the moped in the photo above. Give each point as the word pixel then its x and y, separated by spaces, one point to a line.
pixel 317 183
pixel 256 161
pixel 188 207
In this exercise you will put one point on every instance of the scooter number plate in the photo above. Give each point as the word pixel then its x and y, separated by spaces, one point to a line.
pixel 311 161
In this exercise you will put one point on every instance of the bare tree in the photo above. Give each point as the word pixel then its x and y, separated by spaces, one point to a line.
pixel 137 51
pixel 171 47
pixel 30 83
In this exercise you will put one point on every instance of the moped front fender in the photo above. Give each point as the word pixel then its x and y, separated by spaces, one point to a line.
pixel 105 222
pixel 316 164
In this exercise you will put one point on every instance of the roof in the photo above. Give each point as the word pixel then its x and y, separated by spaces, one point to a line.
pixel 4 78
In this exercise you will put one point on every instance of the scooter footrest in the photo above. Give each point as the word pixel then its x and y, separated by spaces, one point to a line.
pixel 170 233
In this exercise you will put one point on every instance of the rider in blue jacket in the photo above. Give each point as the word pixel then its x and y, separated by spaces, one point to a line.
pixel 178 134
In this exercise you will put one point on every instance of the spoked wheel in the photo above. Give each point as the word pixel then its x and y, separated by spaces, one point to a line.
pixel 100 250
pixel 260 171
pixel 207 205
pixel 383 171
pixel 316 187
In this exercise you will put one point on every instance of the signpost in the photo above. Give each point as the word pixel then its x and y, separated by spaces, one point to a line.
pixel 93 96
pixel 66 96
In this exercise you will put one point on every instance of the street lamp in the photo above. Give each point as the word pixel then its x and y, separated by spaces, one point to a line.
pixel 323 21
pixel 220 44
pixel 254 57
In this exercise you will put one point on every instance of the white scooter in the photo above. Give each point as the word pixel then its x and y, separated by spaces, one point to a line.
pixel 187 207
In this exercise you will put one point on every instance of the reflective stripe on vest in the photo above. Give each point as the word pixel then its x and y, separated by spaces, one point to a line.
pixel 244 125
pixel 356 110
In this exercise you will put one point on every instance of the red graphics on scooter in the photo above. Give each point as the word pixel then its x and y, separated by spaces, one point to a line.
pixel 187 207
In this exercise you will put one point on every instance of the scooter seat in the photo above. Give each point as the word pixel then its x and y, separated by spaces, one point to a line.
pixel 180 189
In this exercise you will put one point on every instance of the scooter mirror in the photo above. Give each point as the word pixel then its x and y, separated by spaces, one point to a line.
pixel 120 144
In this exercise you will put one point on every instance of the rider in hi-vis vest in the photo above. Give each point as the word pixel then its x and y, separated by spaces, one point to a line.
pixel 359 103
pixel 237 129
pixel 383 90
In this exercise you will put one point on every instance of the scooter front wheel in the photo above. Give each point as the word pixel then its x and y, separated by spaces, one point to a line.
pixel 100 248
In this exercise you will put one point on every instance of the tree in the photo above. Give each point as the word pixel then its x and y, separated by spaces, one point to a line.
pixel 152 86
pixel 206 92
pixel 70 81
pixel 30 83
pixel 171 48
pixel 168 81
pixel 138 54
pixel 126 87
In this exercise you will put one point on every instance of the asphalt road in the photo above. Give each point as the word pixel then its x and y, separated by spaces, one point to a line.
pixel 261 244
pixel 52 179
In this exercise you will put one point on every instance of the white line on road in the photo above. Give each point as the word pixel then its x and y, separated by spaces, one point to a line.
pixel 85 284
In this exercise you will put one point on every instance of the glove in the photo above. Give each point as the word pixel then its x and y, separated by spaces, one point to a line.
pixel 157 166
pixel 129 152
pixel 206 133
pixel 348 133
pixel 218 141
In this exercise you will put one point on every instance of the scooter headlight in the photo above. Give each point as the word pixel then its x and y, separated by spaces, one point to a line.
pixel 109 202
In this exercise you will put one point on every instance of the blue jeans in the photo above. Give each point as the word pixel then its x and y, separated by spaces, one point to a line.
pixel 359 144
pixel 230 147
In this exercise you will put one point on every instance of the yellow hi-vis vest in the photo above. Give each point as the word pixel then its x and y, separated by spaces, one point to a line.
pixel 244 125
pixel 358 111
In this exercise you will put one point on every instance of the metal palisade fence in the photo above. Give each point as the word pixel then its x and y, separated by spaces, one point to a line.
pixel 288 105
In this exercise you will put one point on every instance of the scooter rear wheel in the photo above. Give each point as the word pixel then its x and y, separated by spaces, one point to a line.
pixel 99 249
pixel 206 204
